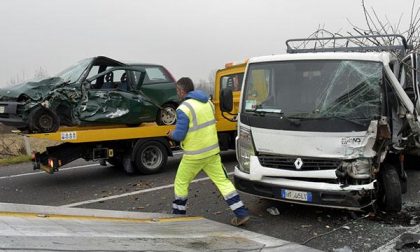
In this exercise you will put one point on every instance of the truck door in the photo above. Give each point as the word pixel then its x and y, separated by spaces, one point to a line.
pixel 410 78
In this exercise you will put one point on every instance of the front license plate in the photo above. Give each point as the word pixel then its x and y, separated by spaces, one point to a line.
pixel 2 109
pixel 296 195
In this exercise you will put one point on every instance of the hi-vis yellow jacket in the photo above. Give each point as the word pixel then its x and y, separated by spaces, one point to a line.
pixel 201 139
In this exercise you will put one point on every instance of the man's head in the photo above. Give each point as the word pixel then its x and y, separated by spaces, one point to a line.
pixel 183 86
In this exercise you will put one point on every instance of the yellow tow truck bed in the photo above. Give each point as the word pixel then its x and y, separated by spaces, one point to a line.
pixel 104 133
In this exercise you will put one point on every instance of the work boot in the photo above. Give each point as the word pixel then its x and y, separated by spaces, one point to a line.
pixel 239 221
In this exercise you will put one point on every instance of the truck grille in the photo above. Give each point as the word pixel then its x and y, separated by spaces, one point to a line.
pixel 308 164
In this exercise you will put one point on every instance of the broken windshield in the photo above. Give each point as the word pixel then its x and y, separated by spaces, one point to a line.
pixel 73 73
pixel 316 89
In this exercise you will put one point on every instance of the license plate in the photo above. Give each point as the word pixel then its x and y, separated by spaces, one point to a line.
pixel 2 109
pixel 296 195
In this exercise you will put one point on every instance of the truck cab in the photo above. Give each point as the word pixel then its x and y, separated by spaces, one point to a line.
pixel 228 78
pixel 329 126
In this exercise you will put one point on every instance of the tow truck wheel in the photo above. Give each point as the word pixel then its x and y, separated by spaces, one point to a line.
pixel 166 115
pixel 390 196
pixel 43 120
pixel 150 157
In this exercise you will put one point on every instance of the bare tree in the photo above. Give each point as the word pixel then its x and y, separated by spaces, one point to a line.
pixel 374 26
pixel 39 74
pixel 205 86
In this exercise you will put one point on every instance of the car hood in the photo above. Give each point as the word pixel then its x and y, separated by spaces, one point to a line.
pixel 35 90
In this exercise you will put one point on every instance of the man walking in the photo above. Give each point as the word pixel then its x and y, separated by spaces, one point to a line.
pixel 196 130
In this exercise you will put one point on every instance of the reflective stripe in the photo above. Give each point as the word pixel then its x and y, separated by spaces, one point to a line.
pixel 203 125
pixel 214 146
pixel 179 207
pixel 236 205
pixel 194 116
pixel 180 198
pixel 212 106
pixel 231 195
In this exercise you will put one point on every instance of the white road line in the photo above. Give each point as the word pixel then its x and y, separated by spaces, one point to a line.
pixel 130 193
pixel 42 172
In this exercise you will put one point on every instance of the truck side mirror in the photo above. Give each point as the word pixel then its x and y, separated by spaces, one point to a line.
pixel 226 100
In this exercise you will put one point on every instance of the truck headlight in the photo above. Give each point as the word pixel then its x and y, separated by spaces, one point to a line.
pixel 245 148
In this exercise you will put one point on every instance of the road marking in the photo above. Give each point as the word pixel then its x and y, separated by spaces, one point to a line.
pixel 99 218
pixel 130 193
pixel 42 172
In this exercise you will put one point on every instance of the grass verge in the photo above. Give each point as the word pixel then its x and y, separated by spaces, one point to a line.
pixel 12 148
pixel 15 160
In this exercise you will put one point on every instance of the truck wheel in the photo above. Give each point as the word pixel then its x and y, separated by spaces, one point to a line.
pixel 150 157
pixel 43 120
pixel 166 115
pixel 390 196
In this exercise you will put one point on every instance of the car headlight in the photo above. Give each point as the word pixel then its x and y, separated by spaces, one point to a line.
pixel 245 149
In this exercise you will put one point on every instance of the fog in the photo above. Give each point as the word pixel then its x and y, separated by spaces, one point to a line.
pixel 190 37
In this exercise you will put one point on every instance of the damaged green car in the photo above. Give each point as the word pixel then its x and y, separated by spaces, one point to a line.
pixel 95 91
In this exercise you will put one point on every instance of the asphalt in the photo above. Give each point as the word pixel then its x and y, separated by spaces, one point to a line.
pixel 45 228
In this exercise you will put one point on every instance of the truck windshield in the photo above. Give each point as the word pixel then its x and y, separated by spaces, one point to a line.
pixel 316 89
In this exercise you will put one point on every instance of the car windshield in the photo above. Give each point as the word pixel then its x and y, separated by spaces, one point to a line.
pixel 73 73
pixel 316 89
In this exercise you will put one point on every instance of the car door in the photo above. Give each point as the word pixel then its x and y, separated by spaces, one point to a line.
pixel 117 101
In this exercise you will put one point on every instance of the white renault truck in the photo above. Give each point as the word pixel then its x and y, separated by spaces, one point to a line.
pixel 329 126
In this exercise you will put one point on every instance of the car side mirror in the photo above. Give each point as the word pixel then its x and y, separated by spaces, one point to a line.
pixel 226 100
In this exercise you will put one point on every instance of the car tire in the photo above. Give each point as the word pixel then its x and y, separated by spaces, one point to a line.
pixel 166 115
pixel 390 196
pixel 43 120
pixel 150 157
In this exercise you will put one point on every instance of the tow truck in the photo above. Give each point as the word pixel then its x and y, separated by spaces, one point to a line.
pixel 143 149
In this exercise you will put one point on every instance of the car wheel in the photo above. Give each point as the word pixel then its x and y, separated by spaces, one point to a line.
pixel 167 115
pixel 43 120
pixel 390 196
pixel 150 157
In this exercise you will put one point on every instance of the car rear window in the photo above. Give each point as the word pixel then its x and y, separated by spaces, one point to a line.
pixel 155 74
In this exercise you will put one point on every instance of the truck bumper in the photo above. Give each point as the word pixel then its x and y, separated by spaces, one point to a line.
pixel 9 114
pixel 352 197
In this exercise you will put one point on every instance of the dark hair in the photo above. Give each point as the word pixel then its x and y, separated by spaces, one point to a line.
pixel 185 84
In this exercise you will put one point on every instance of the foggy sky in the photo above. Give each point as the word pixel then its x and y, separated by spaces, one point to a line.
pixel 190 37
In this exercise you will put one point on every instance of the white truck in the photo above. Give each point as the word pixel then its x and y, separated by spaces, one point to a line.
pixel 329 126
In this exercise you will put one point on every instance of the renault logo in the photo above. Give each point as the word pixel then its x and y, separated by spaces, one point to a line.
pixel 298 163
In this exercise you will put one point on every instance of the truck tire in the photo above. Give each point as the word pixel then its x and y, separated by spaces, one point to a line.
pixel 390 196
pixel 150 157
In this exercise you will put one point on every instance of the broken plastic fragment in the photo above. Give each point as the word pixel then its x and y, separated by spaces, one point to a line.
pixel 273 211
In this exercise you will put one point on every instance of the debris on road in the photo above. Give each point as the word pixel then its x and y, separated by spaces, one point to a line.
pixel 408 240
pixel 273 211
